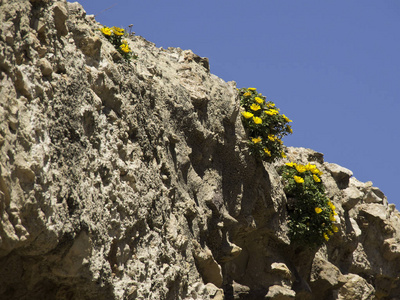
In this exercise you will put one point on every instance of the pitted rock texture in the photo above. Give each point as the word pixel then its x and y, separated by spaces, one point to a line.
pixel 132 180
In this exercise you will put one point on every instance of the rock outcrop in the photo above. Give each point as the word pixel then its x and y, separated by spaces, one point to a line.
pixel 132 180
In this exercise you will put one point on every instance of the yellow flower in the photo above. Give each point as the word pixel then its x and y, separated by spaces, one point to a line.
pixel 257 120
pixel 332 217
pixel 270 112
pixel 313 169
pixel 256 140
pixel 316 178
pixel 106 31
pixel 125 48
pixel 330 232
pixel 289 128
pixel 318 210
pixel 251 89
pixel 331 205
pixel 291 164
pixel 301 168
pixel 247 114
pixel 247 94
pixel 274 111
pixel 283 154
pixel 117 28
pixel 335 228
pixel 270 104
pixel 255 107
pixel 298 179
pixel 286 118
pixel 326 237
pixel 118 31
pixel 259 100
pixel 271 137
pixel 267 151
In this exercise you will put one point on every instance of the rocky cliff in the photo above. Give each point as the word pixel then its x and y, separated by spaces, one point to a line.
pixel 132 180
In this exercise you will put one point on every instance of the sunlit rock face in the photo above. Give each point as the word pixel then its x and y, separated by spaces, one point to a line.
pixel 132 180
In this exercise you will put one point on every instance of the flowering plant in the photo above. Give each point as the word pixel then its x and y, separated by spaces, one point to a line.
pixel 115 35
pixel 264 124
pixel 311 213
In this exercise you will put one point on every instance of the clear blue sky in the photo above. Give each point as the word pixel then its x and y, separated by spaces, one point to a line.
pixel 333 67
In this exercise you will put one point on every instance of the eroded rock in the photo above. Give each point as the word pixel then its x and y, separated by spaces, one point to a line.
pixel 132 180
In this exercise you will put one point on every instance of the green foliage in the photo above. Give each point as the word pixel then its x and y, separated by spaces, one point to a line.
pixel 264 124
pixel 115 35
pixel 311 213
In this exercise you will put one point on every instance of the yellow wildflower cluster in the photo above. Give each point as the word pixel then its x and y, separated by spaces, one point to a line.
pixel 259 100
pixel 308 167
pixel 257 120
pixel 114 35
pixel 255 107
pixel 298 179
pixel 106 31
pixel 247 114
pixel 118 31
pixel 271 112
pixel 265 125
pixel 267 152
pixel 124 47
pixel 286 118
pixel 312 219
pixel 334 228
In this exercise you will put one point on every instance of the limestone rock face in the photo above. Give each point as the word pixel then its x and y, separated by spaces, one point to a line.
pixel 132 180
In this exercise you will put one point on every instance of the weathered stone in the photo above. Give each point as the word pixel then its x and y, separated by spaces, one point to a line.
pixel 39 25
pixel 7 32
pixel 76 9
pixel 354 288
pixel 45 67
pixel 132 180
pixel 340 174
pixel 60 14
pixel 209 269
pixel 374 211
pixel 352 197
pixel 91 46
pixel 240 291
pixel 214 292
pixel 360 262
pixel 324 275
pixel 277 292
pixel 282 270
pixel 375 195
pixel 76 258
pixel 391 249
pixel 355 228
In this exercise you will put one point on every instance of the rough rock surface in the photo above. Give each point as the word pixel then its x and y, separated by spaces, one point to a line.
pixel 132 180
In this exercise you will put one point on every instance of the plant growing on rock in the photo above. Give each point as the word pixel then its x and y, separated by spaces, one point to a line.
pixel 264 124
pixel 311 213
pixel 115 35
